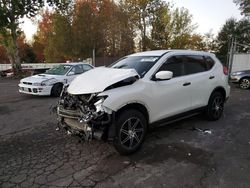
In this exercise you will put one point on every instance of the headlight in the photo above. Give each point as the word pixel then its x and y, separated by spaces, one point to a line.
pixel 48 82
pixel 99 103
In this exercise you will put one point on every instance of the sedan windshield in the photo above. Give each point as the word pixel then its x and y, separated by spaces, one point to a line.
pixel 59 70
pixel 142 64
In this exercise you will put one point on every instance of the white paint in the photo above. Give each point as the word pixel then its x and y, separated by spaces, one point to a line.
pixel 98 79
pixel 49 80
pixel 162 99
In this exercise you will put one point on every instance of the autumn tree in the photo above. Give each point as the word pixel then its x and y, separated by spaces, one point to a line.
pixel 118 32
pixel 11 12
pixel 174 29
pixel 141 14
pixel 3 55
pixel 41 38
pixel 58 47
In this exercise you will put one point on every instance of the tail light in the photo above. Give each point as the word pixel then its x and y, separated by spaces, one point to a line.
pixel 225 70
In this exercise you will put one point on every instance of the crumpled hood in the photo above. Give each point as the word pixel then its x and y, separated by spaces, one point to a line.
pixel 98 79
pixel 38 78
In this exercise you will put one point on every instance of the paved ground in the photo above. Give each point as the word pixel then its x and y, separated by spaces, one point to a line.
pixel 33 154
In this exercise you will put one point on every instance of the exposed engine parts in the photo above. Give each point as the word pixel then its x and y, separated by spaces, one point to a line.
pixel 82 115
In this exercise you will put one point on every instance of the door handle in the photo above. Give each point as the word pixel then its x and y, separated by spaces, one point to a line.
pixel 211 77
pixel 187 84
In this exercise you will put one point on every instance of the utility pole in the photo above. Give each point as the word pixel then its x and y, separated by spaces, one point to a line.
pixel 231 56
pixel 93 60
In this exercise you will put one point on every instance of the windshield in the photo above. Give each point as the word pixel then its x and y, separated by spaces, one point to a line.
pixel 59 70
pixel 142 64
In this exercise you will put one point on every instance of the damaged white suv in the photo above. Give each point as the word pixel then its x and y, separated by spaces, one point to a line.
pixel 145 89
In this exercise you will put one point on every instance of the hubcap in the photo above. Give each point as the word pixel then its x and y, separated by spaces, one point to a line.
pixel 131 133
pixel 217 107
pixel 245 84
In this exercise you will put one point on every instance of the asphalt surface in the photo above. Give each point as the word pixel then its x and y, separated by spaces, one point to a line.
pixel 190 153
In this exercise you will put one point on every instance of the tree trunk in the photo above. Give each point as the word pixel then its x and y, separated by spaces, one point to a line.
pixel 16 64
pixel 144 47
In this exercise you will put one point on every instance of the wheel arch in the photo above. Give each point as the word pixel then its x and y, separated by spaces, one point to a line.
pixel 248 77
pixel 137 106
pixel 59 83
pixel 221 90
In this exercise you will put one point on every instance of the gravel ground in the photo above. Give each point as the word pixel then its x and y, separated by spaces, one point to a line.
pixel 33 154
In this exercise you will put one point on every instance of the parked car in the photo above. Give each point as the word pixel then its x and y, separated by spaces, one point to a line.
pixel 242 78
pixel 120 102
pixel 52 81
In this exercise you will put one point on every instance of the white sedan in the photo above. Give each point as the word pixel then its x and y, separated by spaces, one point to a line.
pixel 51 82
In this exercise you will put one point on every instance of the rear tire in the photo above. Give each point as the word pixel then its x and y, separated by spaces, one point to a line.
pixel 56 90
pixel 131 128
pixel 245 83
pixel 215 106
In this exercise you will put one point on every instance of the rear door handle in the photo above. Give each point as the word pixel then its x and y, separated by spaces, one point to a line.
pixel 187 84
pixel 211 77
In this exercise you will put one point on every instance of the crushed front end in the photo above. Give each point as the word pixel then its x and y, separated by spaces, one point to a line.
pixel 84 115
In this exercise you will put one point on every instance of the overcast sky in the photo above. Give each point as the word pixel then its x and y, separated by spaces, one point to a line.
pixel 208 14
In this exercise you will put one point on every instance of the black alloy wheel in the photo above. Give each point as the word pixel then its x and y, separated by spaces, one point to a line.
pixel 215 106
pixel 131 130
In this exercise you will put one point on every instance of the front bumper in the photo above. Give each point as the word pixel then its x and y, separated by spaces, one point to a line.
pixel 87 125
pixel 35 90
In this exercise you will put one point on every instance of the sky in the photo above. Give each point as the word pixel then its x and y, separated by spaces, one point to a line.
pixel 209 15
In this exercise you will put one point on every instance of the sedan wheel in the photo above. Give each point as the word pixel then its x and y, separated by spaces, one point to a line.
pixel 245 83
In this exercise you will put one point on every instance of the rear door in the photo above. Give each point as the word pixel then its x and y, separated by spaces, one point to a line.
pixel 201 76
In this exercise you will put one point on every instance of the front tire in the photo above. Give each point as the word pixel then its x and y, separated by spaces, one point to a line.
pixel 130 131
pixel 215 106
pixel 245 83
pixel 56 90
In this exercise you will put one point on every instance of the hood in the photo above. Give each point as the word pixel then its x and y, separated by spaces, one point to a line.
pixel 98 79
pixel 38 78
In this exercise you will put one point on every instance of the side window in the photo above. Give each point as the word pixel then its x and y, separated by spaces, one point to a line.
pixel 194 64
pixel 78 69
pixel 86 68
pixel 210 62
pixel 175 65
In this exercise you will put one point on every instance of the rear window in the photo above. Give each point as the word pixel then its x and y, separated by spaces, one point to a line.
pixel 210 62
pixel 194 64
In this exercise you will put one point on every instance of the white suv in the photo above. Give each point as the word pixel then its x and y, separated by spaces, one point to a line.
pixel 145 89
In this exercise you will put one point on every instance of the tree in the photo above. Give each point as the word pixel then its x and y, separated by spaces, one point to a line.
pixel 119 35
pixel 244 6
pixel 233 28
pixel 58 47
pixel 3 56
pixel 174 29
pixel 141 15
pixel 41 38
pixel 11 12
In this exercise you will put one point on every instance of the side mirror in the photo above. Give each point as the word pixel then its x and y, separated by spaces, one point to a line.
pixel 70 73
pixel 164 75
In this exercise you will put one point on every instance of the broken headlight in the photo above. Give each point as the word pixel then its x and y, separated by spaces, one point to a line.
pixel 99 103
